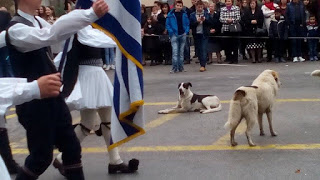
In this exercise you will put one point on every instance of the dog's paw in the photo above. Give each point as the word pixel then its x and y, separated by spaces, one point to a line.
pixel 274 134
pixel 262 134
pixel 234 144
pixel 252 145
pixel 163 112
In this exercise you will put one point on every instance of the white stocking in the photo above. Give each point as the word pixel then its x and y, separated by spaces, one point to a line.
pixel 105 116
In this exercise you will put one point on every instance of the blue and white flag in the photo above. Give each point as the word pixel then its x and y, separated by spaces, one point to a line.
pixel 122 24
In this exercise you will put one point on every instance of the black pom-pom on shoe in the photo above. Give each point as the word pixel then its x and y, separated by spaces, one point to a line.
pixel 123 167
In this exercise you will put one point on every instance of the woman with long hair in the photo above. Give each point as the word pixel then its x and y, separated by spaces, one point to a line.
pixel 51 15
pixel 42 12
pixel 164 38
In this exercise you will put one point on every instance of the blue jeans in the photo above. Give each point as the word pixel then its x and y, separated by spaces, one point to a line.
pixel 313 47
pixel 201 42
pixel 178 44
pixel 109 56
pixel 5 65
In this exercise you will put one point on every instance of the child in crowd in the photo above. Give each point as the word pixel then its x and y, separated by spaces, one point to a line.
pixel 278 32
pixel 313 31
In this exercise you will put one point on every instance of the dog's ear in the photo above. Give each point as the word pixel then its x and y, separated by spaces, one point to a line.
pixel 189 84
pixel 275 75
pixel 179 85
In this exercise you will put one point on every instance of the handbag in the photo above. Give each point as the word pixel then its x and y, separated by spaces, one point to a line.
pixel 235 27
pixel 261 32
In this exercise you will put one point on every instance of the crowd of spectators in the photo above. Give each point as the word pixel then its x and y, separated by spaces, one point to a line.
pixel 288 30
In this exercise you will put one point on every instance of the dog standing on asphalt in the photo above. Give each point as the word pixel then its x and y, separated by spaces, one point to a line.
pixel 189 101
pixel 251 102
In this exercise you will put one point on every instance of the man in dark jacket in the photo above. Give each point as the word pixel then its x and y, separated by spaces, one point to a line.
pixel 296 19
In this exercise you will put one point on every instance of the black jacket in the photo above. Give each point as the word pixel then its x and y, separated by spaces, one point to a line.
pixel 278 29
pixel 250 29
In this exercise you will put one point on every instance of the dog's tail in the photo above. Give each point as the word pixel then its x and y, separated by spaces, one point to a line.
pixel 235 109
pixel 316 73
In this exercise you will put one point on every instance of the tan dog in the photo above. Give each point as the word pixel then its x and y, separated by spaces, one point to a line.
pixel 251 102
pixel 315 73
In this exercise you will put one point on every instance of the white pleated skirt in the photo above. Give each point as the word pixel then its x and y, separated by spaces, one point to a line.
pixel 93 89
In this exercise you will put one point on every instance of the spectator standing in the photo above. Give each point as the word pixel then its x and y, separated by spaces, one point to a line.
pixel 109 59
pixel 219 5
pixel 177 24
pixel 295 17
pixel 313 31
pixel 156 10
pixel 243 42
pixel 144 15
pixel 151 40
pixel 214 44
pixel 51 15
pixel 199 23
pixel 164 38
pixel 42 12
pixel 253 19
pixel 283 7
pixel 268 10
pixel 278 33
pixel 230 15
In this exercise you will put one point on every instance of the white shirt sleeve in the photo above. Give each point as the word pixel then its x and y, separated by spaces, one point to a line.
pixel 2 39
pixel 15 91
pixel 26 38
pixel 95 38
pixel 4 174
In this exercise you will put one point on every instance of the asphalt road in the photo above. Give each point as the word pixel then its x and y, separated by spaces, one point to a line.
pixel 196 146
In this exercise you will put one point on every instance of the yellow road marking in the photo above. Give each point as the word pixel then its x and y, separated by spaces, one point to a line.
pixel 103 149
pixel 12 109
pixel 161 120
pixel 225 140
pixel 11 116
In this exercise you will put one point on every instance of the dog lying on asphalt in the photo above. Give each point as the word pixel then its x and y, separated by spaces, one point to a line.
pixel 189 101
pixel 315 73
pixel 251 102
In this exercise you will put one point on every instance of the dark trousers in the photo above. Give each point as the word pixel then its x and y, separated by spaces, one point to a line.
pixel 167 50
pixel 278 46
pixel 48 125
pixel 313 43
pixel 231 47
pixel 269 49
pixel 201 42
pixel 296 31
pixel 187 49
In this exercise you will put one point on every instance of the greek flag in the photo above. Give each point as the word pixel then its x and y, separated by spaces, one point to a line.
pixel 122 24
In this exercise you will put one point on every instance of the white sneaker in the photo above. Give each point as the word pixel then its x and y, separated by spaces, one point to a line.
pixel 113 66
pixel 107 68
pixel 104 66
pixel 295 59
pixel 301 59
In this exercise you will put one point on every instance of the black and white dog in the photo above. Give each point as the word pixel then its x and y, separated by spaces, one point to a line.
pixel 193 102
